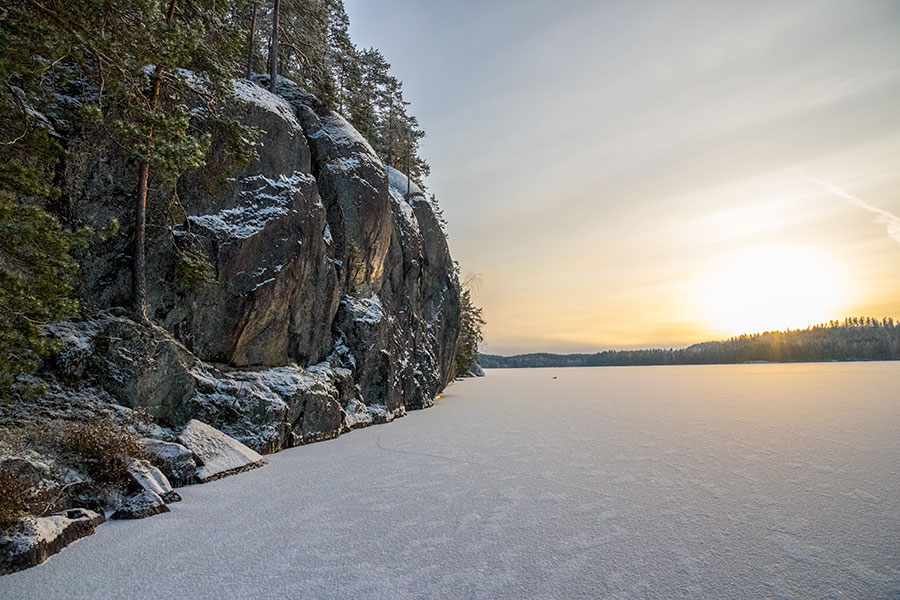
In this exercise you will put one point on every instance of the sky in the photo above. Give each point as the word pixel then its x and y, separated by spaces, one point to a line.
pixel 630 174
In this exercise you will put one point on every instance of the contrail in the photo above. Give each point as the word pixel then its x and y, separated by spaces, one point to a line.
pixel 882 217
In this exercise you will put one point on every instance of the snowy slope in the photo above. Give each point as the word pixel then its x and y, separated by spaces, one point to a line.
pixel 744 481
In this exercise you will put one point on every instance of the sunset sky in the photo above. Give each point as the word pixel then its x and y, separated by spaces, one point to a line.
pixel 629 174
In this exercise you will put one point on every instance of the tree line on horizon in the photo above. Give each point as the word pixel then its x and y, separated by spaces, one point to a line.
pixel 154 79
pixel 854 338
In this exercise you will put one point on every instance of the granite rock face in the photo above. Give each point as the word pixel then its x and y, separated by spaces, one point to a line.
pixel 335 302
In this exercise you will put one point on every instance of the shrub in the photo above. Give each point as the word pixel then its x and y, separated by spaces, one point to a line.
pixel 102 449
pixel 193 271
pixel 15 494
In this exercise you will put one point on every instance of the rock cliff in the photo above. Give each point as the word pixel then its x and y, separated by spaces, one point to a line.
pixel 333 303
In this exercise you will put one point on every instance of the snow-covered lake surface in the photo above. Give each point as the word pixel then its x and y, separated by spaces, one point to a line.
pixel 748 481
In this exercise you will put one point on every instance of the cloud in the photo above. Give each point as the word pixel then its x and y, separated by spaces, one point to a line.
pixel 882 217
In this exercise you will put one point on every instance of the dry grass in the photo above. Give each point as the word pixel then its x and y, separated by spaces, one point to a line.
pixel 102 449
pixel 15 494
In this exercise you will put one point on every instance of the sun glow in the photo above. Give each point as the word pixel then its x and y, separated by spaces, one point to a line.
pixel 771 289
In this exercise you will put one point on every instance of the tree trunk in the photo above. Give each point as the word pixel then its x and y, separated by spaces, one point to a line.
pixel 140 213
pixel 273 50
pixel 390 140
pixel 250 36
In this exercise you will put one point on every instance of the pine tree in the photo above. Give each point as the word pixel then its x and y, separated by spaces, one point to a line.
pixel 363 101
pixel 470 331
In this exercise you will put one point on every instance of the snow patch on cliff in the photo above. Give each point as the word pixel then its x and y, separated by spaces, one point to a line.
pixel 341 133
pixel 251 93
pixel 364 310
pixel 266 201
pixel 398 181
pixel 407 215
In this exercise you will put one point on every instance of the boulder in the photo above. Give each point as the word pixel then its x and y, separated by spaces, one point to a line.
pixel 31 540
pixel 173 459
pixel 321 418
pixel 151 479
pixel 33 471
pixel 140 506
pixel 356 414
pixel 138 366
pixel 218 455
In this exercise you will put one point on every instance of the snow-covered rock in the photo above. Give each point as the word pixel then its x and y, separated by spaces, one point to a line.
pixel 173 459
pixel 356 414
pixel 140 506
pixel 25 468
pixel 353 187
pixel 249 92
pixel 399 182
pixel 264 200
pixel 364 310
pixel 151 479
pixel 31 540
pixel 475 371
pixel 218 455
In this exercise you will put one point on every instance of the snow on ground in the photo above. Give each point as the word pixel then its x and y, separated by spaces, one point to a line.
pixel 748 481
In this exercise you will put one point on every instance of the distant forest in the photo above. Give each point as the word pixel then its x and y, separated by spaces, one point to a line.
pixel 856 338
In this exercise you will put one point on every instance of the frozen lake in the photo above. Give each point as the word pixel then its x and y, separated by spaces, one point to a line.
pixel 747 481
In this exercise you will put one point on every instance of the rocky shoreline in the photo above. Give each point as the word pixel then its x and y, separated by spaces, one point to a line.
pixel 334 305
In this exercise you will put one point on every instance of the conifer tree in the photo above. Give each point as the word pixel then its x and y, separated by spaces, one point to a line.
pixel 140 219
pixel 470 331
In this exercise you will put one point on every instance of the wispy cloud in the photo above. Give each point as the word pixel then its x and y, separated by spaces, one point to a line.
pixel 882 217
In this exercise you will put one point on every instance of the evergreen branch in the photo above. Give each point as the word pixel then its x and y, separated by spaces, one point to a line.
pixel 21 105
